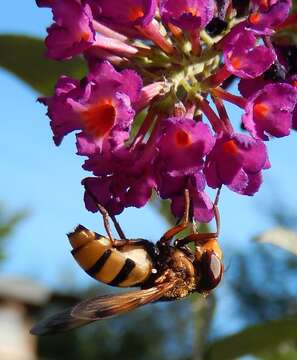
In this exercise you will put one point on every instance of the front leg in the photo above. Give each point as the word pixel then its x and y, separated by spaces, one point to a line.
pixel 198 239
pixel 167 237
pixel 203 238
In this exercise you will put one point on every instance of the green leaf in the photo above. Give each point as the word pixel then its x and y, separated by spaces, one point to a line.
pixel 254 340
pixel 8 223
pixel 24 57
pixel 286 351
pixel 281 237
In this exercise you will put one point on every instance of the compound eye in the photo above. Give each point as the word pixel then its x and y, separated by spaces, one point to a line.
pixel 210 270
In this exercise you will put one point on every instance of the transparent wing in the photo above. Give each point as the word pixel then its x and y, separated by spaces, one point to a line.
pixel 57 323
pixel 102 307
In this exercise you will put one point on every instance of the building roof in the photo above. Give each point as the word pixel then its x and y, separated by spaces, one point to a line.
pixel 24 290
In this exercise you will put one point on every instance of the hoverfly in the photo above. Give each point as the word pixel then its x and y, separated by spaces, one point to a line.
pixel 163 271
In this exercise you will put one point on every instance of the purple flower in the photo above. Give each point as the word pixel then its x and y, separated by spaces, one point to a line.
pixel 73 32
pixel 201 204
pixel 148 92
pixel 117 192
pixel 187 14
pixel 243 57
pixel 172 187
pixel 182 145
pixel 171 147
pixel 293 82
pixel 294 120
pixel 264 4
pixel 266 15
pixel 108 192
pixel 270 110
pixel 123 179
pixel 236 161
pixel 267 5
pixel 248 87
pixel 100 105
pixel 128 12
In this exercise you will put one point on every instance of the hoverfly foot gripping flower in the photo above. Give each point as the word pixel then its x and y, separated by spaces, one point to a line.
pixel 144 114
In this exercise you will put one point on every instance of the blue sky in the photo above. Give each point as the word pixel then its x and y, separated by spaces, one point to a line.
pixel 46 180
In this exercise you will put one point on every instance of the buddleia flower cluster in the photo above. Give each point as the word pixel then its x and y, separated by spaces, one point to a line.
pixel 150 114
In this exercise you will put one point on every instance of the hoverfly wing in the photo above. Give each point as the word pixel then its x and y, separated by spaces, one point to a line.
pixel 97 308
pixel 107 306
pixel 57 323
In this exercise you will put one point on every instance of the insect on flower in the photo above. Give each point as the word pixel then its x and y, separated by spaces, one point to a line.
pixel 163 271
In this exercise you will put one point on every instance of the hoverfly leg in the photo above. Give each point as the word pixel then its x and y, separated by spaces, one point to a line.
pixel 217 196
pixel 123 240
pixel 217 219
pixel 198 238
pixel 180 227
pixel 217 213
pixel 202 238
pixel 115 243
pixel 118 227
pixel 105 217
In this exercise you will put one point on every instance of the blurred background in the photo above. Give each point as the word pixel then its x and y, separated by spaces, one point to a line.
pixel 252 315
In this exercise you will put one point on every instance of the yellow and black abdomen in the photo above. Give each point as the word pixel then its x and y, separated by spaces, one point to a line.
pixel 126 266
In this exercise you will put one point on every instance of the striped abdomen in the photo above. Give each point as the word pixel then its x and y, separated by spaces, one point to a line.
pixel 126 266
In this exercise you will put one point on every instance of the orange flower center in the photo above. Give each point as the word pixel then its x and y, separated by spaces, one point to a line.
pixel 99 118
pixel 235 62
pixel 254 18
pixel 192 11
pixel 135 13
pixel 230 147
pixel 261 110
pixel 182 138
pixel 85 36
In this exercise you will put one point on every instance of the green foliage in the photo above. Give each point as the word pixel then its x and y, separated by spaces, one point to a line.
pixel 287 351
pixel 137 123
pixel 254 340
pixel 24 57
pixel 8 223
